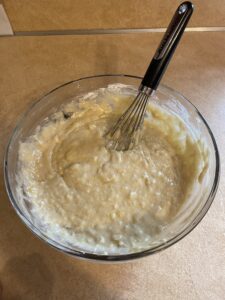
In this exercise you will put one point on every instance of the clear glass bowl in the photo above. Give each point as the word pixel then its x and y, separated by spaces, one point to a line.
pixel 190 214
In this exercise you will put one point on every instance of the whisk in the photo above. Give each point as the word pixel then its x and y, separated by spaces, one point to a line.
pixel 124 135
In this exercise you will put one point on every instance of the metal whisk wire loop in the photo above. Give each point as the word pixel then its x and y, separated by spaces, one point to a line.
pixel 123 135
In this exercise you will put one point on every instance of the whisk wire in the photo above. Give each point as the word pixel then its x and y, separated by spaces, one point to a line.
pixel 131 117
pixel 123 134
pixel 124 115
pixel 141 114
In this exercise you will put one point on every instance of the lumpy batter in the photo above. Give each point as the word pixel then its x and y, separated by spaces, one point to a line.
pixel 100 200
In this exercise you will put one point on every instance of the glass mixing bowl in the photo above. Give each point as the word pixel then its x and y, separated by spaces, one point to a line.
pixel 190 213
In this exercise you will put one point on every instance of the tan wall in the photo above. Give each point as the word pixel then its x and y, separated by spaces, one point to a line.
pixel 31 15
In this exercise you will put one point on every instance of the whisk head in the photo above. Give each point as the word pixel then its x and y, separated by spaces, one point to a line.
pixel 125 133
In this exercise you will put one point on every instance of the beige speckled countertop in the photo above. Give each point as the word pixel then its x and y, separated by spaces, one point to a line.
pixel 192 269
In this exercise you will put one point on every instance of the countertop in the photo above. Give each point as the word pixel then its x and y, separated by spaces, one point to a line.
pixel 194 268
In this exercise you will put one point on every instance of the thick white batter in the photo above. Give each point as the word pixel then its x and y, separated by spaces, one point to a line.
pixel 106 201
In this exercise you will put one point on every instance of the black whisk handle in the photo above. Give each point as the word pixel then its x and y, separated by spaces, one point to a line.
pixel 168 45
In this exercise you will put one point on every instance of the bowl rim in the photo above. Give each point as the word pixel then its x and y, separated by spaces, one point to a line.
pixel 103 257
